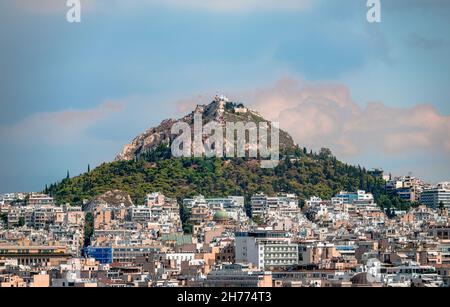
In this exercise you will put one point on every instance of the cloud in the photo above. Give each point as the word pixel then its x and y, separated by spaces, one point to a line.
pixel 325 115
pixel 240 5
pixel 430 5
pixel 52 6
pixel 427 43
pixel 57 128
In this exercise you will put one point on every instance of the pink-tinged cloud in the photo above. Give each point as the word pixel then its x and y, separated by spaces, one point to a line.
pixel 187 104
pixel 325 115
pixel 54 6
pixel 58 128
pixel 239 5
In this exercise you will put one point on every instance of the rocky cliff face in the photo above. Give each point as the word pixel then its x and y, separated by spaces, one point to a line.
pixel 219 110
pixel 112 198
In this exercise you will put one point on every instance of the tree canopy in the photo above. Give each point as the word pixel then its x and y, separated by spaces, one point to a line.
pixel 299 172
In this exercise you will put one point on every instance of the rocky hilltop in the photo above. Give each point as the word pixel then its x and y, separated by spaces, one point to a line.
pixel 112 198
pixel 220 110
pixel 144 167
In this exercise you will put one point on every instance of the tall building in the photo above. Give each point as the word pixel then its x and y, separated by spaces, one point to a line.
pixel 266 249
pixel 433 197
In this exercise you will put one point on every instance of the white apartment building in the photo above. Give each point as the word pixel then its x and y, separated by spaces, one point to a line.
pixel 224 203
pixel 259 204
pixel 221 203
pixel 38 216
pixel 262 204
pixel 433 197
pixel 38 199
pixel 42 216
pixel 266 249
pixel 233 205
pixel 444 185
pixel 179 257
pixel 10 197
pixel 313 201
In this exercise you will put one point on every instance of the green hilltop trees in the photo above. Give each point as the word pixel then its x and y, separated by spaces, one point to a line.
pixel 299 172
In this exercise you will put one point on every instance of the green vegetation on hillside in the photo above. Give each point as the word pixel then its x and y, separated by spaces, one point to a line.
pixel 392 202
pixel 4 218
pixel 301 172
pixel 88 228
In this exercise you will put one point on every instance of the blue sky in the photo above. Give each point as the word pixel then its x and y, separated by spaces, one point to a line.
pixel 74 94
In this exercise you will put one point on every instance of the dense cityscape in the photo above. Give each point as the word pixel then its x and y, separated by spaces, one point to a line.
pixel 224 151
pixel 265 241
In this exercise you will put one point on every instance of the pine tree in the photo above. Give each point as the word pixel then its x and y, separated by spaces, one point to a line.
pixel 68 175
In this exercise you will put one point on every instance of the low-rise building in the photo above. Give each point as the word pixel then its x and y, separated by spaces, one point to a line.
pixel 238 275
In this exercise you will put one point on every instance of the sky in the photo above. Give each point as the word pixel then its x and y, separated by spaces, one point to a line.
pixel 73 94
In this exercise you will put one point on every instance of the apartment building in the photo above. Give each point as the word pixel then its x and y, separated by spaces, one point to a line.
pixel 360 197
pixel 38 199
pixel 266 249
pixel 141 214
pixel 200 213
pixel 406 187
pixel 434 197
pixel 262 204
pixel 35 255
pixel 316 252
pixel 238 275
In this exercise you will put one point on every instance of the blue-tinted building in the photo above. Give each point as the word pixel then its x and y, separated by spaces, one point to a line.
pixel 348 198
pixel 405 194
pixel 102 254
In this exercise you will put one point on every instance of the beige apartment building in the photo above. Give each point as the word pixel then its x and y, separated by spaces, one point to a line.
pixel 35 255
